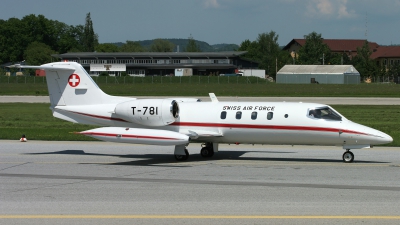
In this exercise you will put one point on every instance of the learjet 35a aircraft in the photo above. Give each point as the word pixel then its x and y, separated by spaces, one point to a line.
pixel 75 97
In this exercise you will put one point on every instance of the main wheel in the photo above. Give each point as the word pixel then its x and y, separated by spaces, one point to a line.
pixel 182 157
pixel 206 152
pixel 348 157
pixel 211 153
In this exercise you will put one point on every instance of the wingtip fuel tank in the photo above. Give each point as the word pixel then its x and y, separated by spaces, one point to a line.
pixel 137 136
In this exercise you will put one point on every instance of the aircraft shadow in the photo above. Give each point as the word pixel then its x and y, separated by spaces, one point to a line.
pixel 168 160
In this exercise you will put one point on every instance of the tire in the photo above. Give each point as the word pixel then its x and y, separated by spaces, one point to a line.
pixel 348 157
pixel 182 157
pixel 204 152
pixel 211 153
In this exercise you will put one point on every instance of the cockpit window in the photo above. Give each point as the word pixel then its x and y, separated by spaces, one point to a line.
pixel 324 113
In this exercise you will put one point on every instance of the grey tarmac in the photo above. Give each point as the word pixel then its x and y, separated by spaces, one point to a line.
pixel 322 100
pixel 48 182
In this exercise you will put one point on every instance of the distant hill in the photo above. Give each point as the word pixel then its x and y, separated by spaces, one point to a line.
pixel 182 43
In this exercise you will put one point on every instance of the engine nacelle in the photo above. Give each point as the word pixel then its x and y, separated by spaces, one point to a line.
pixel 149 112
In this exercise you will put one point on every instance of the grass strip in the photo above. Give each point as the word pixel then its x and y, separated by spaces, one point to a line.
pixel 198 87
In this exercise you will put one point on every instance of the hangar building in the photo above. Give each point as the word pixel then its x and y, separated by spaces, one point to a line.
pixel 159 63
pixel 322 74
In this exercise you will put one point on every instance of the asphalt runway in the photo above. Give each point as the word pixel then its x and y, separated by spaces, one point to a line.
pixel 322 100
pixel 47 182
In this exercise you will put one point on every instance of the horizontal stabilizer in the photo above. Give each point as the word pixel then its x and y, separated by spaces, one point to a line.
pixel 41 67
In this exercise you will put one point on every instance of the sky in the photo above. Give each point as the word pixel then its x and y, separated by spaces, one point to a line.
pixel 221 21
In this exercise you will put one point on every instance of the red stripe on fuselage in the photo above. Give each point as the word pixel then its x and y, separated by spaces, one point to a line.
pixel 267 127
pixel 126 136
pixel 242 126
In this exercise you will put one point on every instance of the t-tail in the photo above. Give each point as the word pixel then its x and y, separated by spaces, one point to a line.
pixel 71 89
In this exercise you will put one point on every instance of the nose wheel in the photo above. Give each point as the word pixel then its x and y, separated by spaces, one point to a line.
pixel 348 156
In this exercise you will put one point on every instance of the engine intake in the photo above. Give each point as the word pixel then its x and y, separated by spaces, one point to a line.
pixel 149 112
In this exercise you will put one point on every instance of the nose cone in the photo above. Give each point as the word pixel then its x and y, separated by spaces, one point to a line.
pixel 370 136
pixel 384 138
pixel 377 137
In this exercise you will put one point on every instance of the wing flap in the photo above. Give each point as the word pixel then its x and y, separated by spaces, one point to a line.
pixel 194 134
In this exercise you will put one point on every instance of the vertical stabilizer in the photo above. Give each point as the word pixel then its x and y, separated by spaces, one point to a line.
pixel 70 84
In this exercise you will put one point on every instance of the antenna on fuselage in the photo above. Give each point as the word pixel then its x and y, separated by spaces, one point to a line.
pixel 213 97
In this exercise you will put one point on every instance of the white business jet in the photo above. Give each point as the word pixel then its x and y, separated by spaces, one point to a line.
pixel 75 97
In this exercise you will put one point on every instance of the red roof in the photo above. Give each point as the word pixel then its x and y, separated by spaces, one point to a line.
pixel 339 45
pixel 386 52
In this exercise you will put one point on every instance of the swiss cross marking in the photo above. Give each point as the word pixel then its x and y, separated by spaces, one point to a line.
pixel 74 80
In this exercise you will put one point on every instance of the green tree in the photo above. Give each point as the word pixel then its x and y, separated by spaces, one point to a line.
pixel 16 35
pixel 71 38
pixel 269 52
pixel 51 32
pixel 132 46
pixel 394 70
pixel 90 39
pixel 40 29
pixel 364 64
pixel 2 72
pixel 252 50
pixel 74 49
pixel 192 46
pixel 13 40
pixel 107 47
pixel 160 45
pixel 38 53
pixel 266 51
pixel 244 45
pixel 314 51
pixel 339 59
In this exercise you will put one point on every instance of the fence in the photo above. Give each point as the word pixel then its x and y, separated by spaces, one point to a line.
pixel 22 79
pixel 171 79
pixel 181 80
pixel 383 79
pixel 148 80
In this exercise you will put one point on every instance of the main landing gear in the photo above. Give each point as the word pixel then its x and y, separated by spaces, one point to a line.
pixel 207 150
pixel 182 157
pixel 348 156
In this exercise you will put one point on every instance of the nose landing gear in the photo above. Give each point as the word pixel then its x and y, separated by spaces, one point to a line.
pixel 348 156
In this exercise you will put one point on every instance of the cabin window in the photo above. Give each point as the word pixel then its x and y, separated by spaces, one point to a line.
pixel 238 115
pixel 254 115
pixel 324 113
pixel 223 115
pixel 270 115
